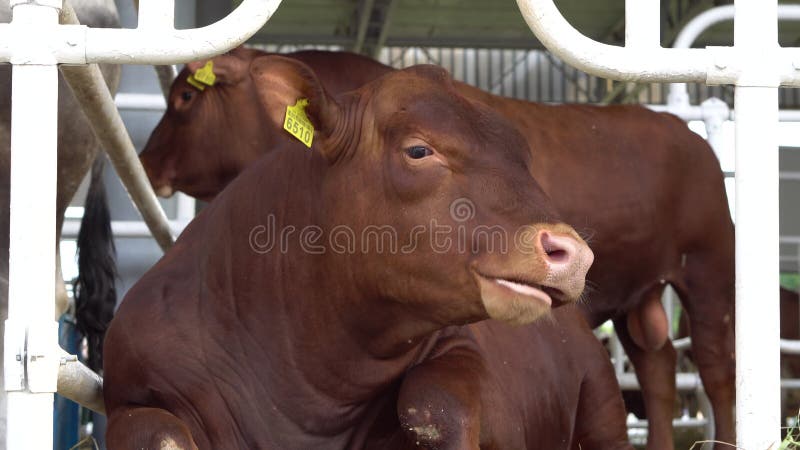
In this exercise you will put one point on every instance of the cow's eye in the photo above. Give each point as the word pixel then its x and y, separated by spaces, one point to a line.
pixel 187 95
pixel 418 152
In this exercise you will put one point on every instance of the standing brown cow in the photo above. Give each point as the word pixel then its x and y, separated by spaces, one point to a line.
pixel 646 189
pixel 276 322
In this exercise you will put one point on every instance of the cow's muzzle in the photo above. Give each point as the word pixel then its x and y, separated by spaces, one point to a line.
pixel 547 270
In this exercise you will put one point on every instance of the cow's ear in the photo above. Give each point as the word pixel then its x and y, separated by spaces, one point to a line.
pixel 228 68
pixel 281 82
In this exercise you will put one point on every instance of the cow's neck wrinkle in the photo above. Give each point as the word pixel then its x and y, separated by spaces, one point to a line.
pixel 322 343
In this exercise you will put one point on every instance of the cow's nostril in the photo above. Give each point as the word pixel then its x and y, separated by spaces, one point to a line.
pixel 558 255
pixel 555 249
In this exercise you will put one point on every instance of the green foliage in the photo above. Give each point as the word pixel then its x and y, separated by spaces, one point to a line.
pixel 792 439
pixel 790 281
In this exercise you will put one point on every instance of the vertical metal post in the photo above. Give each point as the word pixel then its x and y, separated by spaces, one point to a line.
pixel 643 23
pixel 757 268
pixel 757 239
pixel 185 208
pixel 156 15
pixel 31 369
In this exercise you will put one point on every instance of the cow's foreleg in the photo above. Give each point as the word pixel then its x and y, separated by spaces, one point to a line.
pixel 655 371
pixel 147 428
pixel 439 405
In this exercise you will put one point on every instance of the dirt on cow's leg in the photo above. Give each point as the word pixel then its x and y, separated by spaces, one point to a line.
pixel 655 371
pixel 148 428
pixel 708 297
pixel 438 406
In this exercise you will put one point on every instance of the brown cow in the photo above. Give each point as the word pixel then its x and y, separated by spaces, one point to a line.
pixel 203 174
pixel 647 189
pixel 246 335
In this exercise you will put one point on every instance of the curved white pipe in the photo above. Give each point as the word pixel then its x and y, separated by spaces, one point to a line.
pixel 712 65
pixel 151 44
pixel 169 46
pixel 610 61
pixel 678 93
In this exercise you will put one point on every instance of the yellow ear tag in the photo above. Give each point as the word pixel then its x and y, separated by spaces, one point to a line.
pixel 297 123
pixel 195 83
pixel 203 76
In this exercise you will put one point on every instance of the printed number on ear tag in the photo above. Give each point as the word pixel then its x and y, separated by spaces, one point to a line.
pixel 297 124
pixel 203 77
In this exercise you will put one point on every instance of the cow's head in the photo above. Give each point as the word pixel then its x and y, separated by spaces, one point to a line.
pixel 447 178
pixel 209 133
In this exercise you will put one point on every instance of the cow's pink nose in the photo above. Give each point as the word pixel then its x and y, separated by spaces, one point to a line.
pixel 564 254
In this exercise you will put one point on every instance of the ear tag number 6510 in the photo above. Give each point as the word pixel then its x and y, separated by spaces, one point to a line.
pixel 297 124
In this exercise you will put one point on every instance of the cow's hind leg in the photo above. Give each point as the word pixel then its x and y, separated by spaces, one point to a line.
pixel 708 297
pixel 655 370
pixel 147 428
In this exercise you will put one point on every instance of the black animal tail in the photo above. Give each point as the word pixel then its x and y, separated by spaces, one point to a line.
pixel 95 292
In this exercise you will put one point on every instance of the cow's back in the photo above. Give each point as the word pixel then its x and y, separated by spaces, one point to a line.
pixel 341 71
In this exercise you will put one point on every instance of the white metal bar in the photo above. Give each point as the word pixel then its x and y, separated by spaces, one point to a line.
pixel 617 354
pixel 140 102
pixel 790 383
pixel 80 384
pixel 668 302
pixel 787 346
pixel 122 228
pixel 790 175
pixel 790 346
pixel 690 112
pixel 687 422
pixel 186 207
pixel 159 47
pixel 757 243
pixel 713 65
pixel 757 267
pixel 609 61
pixel 645 31
pixel 166 75
pixel 81 45
pixel 789 115
pixel 682 343
pixel 689 382
pixel 31 329
pixel 683 382
pixel 156 14
pixel 89 88
pixel 678 93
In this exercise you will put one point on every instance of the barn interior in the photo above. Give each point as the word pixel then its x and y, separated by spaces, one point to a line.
pixel 484 43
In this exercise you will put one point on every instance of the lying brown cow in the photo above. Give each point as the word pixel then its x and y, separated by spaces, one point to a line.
pixel 648 190
pixel 246 336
